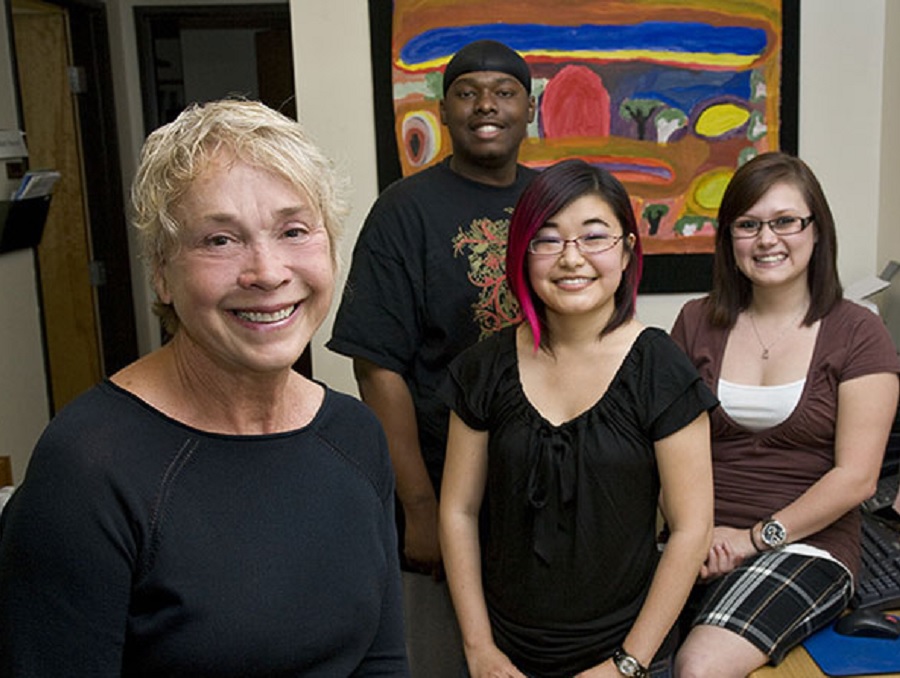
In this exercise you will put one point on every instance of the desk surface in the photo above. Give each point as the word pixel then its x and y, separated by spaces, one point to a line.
pixel 798 664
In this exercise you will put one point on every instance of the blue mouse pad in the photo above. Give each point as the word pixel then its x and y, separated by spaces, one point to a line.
pixel 839 655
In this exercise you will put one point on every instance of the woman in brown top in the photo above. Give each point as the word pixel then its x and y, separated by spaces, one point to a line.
pixel 808 390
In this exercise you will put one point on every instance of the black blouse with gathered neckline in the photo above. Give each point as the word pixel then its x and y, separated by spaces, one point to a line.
pixel 569 516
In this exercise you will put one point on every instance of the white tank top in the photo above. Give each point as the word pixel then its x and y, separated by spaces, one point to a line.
pixel 759 407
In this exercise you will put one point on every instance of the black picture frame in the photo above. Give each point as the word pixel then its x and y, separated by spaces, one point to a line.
pixel 662 273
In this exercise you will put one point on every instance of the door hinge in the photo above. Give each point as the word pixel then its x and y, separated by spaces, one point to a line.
pixel 77 79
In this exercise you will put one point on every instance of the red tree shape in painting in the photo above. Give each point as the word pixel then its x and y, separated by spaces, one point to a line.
pixel 575 104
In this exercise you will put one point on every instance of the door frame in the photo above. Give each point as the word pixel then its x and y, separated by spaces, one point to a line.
pixel 108 221
pixel 102 184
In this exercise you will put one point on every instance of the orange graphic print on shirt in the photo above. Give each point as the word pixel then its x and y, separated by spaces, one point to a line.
pixel 484 244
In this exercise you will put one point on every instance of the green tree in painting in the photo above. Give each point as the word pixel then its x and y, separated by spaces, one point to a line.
pixel 690 224
pixel 640 111
pixel 757 128
pixel 757 85
pixel 746 155
pixel 654 213
pixel 667 122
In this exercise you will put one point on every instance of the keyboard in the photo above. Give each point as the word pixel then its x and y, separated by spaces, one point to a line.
pixel 884 495
pixel 879 580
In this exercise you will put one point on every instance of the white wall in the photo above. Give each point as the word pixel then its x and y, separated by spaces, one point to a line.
pixel 889 197
pixel 841 78
pixel 842 51
pixel 334 102
pixel 24 408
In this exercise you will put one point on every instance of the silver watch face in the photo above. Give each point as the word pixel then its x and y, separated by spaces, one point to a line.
pixel 773 534
pixel 628 666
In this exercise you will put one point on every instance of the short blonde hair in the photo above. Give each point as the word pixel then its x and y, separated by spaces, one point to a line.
pixel 174 155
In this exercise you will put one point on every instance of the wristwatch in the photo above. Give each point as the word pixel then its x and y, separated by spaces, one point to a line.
pixel 628 665
pixel 773 534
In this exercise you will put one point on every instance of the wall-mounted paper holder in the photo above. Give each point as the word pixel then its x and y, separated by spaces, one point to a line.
pixel 22 222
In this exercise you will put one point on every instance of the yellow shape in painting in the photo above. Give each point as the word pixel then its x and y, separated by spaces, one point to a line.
pixel 721 118
pixel 708 190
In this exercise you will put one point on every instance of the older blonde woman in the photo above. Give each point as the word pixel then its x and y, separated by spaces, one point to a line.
pixel 208 510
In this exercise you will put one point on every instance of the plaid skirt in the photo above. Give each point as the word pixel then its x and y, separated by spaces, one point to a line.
pixel 776 599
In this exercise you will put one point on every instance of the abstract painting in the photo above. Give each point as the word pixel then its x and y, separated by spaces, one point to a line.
pixel 671 96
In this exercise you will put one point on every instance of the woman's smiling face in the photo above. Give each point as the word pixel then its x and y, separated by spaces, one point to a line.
pixel 773 260
pixel 252 277
pixel 574 282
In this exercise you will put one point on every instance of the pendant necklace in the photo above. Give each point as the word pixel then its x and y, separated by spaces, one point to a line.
pixel 784 331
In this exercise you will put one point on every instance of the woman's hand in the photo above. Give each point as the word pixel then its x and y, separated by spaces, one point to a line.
pixel 729 548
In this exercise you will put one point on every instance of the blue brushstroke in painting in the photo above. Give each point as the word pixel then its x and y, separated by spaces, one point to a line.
pixel 655 36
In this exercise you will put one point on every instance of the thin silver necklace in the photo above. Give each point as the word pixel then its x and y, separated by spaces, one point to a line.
pixel 784 331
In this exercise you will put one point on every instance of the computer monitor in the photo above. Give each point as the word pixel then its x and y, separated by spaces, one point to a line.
pixel 889 301
pixel 889 308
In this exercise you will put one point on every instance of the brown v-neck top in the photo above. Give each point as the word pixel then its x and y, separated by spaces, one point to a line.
pixel 758 473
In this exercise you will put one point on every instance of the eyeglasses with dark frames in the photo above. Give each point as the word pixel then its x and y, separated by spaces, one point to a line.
pixel 592 243
pixel 750 228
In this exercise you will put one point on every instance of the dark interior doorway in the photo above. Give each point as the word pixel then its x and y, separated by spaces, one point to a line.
pixel 200 53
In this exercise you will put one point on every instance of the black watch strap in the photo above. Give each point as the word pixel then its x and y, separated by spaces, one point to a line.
pixel 628 665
